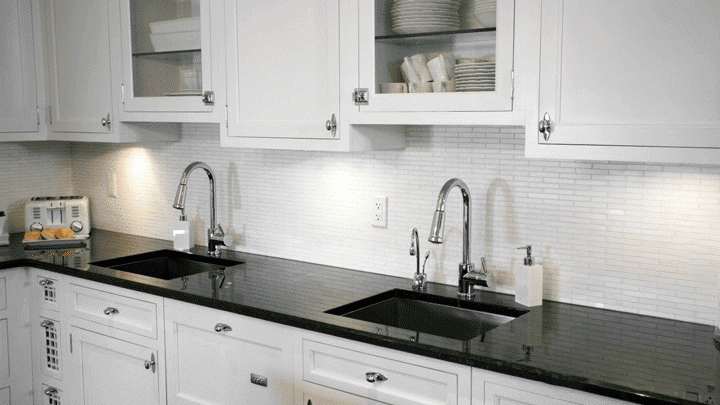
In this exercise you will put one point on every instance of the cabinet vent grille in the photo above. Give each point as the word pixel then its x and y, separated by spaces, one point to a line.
pixel 52 348
pixel 49 293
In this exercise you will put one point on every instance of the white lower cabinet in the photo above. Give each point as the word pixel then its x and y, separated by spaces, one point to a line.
pixel 111 371
pixel 491 388
pixel 216 357
pixel 381 375
pixel 15 370
pixel 318 395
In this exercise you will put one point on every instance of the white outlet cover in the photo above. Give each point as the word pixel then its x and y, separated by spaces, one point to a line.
pixel 379 212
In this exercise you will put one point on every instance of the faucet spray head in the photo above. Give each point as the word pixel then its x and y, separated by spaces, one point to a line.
pixel 437 229
pixel 180 197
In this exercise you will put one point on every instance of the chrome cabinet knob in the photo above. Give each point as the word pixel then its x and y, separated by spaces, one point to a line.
pixel 371 377
pixel 546 126
pixel 331 125
pixel 45 282
pixel 150 363
pixel 221 327
pixel 105 121
pixel 50 391
pixel 111 311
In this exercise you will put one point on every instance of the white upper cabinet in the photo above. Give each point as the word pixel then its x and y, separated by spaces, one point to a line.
pixel 468 60
pixel 84 74
pixel 283 79
pixel 170 65
pixel 20 39
pixel 628 80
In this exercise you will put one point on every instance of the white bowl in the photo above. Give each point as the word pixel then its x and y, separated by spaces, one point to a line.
pixel 177 25
pixel 486 18
pixel 175 41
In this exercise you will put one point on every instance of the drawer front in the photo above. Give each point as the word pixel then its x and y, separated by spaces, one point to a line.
pixel 405 384
pixel 115 311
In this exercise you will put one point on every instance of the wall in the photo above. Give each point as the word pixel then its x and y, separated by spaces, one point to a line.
pixel 640 238
pixel 32 169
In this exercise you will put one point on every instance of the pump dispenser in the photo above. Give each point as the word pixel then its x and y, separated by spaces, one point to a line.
pixel 182 234
pixel 529 281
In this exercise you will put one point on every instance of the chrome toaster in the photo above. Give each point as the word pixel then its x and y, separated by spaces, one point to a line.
pixel 57 212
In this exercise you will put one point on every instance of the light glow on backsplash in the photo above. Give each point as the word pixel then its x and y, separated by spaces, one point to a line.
pixel 634 237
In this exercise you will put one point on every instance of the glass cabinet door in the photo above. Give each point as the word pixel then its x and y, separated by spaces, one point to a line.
pixel 436 55
pixel 166 59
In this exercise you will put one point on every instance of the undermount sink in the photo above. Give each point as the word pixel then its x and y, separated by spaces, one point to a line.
pixel 431 314
pixel 167 264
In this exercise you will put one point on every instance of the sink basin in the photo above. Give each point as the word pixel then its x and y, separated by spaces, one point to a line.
pixel 425 313
pixel 167 264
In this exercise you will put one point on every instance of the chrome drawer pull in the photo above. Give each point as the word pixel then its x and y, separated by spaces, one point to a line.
pixel 111 311
pixel 371 377
pixel 50 391
pixel 221 327
pixel 47 324
pixel 45 282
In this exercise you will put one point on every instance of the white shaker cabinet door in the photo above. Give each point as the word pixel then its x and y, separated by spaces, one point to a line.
pixel 110 371
pixel 217 358
pixel 83 64
pixel 18 104
pixel 629 73
pixel 283 69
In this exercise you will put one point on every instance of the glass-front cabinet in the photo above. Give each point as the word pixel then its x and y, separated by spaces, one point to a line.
pixel 435 55
pixel 167 59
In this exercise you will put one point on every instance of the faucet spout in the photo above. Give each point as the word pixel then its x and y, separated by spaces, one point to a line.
pixel 437 231
pixel 215 233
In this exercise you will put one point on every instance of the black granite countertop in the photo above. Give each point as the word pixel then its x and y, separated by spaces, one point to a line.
pixel 626 356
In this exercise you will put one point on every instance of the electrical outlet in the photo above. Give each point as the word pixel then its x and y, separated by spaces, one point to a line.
pixel 379 212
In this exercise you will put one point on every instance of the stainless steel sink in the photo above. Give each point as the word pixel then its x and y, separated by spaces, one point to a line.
pixel 167 264
pixel 425 313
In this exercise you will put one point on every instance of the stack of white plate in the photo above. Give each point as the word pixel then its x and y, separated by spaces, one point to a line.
pixel 475 74
pixel 485 11
pixel 419 16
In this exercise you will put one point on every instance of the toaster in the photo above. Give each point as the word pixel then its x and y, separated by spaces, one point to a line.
pixel 57 212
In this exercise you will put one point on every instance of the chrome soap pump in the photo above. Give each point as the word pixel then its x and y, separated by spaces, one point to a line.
pixel 529 281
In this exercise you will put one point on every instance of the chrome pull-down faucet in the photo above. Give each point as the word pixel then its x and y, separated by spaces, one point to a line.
pixel 468 277
pixel 216 236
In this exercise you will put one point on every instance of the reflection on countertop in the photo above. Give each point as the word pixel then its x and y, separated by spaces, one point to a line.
pixel 628 356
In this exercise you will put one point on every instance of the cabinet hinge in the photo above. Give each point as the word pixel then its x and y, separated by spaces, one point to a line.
pixel 512 84
pixel 71 343
pixel 361 96
pixel 50 114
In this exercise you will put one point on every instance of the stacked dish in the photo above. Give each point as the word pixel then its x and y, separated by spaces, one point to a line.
pixel 485 11
pixel 475 74
pixel 419 16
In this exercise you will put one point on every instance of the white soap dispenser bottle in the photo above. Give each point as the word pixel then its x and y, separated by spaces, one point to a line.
pixel 182 234
pixel 529 281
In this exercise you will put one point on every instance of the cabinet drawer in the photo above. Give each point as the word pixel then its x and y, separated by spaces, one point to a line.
pixel 405 384
pixel 115 311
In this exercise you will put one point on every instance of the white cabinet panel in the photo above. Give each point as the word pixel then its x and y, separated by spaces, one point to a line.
pixel 283 73
pixel 18 104
pixel 83 60
pixel 110 371
pixel 231 353
pixel 628 74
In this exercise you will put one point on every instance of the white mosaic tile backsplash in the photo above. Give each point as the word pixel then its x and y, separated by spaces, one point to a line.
pixel 32 169
pixel 640 238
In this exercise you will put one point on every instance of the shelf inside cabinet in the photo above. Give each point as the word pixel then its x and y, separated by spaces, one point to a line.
pixel 165 54
pixel 456 36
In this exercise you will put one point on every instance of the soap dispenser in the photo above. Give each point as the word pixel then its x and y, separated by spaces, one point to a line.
pixel 182 234
pixel 529 281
